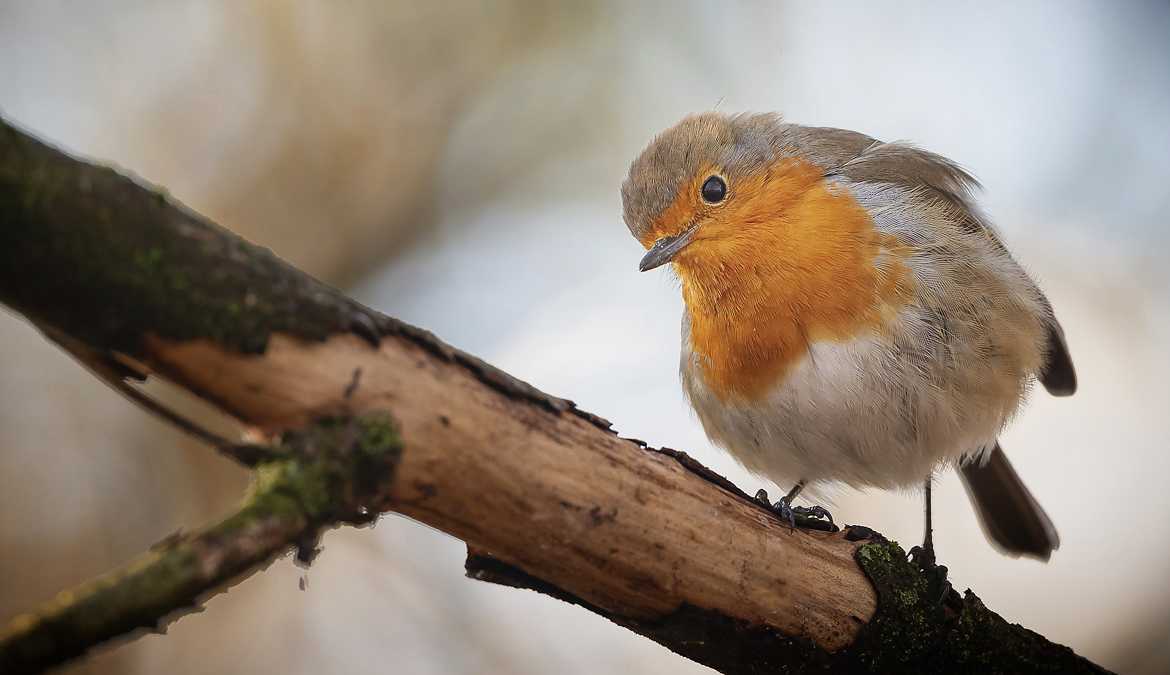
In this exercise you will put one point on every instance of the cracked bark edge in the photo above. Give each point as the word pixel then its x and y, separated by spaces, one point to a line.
pixel 726 644
pixel 141 250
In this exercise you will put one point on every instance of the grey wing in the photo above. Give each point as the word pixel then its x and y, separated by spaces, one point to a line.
pixel 863 159
pixel 825 146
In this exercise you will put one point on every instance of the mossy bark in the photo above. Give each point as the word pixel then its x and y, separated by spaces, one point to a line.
pixel 921 626
pixel 335 471
pixel 107 260
pixel 924 626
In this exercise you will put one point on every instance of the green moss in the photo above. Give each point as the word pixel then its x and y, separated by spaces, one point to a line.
pixel 378 436
pixel 922 626
pixel 292 488
pixel 340 465
pixel 328 473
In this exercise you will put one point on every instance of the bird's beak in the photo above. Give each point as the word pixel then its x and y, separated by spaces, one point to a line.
pixel 664 250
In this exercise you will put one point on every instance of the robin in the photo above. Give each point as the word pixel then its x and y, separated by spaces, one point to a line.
pixel 851 315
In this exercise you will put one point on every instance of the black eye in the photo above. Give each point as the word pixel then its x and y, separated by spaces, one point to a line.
pixel 714 190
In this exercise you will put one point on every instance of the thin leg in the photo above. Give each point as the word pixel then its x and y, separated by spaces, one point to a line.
pixel 763 498
pixel 924 557
pixel 928 537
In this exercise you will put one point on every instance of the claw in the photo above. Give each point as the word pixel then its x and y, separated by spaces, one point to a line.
pixel 936 574
pixel 923 557
pixel 812 517
pixel 785 512
pixel 818 512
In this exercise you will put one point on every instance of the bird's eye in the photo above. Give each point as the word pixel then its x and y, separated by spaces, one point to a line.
pixel 714 190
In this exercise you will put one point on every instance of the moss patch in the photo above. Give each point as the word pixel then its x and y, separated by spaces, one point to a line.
pixel 332 472
pixel 923 626
pixel 339 467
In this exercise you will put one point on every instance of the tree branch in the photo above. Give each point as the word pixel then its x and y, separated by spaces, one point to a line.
pixel 647 538
pixel 333 472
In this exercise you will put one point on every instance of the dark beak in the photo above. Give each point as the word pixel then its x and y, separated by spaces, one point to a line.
pixel 664 250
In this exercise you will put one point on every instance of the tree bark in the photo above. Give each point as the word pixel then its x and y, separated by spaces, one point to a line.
pixel 303 484
pixel 547 496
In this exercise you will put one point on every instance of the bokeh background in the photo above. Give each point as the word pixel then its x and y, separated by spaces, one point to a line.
pixel 457 164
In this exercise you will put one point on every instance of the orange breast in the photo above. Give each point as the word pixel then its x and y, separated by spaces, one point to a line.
pixel 786 261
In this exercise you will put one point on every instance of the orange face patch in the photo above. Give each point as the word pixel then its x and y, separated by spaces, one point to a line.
pixel 686 209
pixel 786 260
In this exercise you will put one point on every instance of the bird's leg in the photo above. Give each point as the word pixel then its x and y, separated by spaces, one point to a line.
pixel 924 557
pixel 816 512
pixel 810 516
pixel 926 551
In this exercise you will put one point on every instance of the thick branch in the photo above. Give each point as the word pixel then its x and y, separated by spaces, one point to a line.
pixel 646 538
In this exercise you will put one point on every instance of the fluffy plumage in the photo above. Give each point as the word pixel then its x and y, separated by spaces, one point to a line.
pixel 851 315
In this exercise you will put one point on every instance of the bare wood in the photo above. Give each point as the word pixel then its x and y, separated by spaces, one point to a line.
pixel 621 527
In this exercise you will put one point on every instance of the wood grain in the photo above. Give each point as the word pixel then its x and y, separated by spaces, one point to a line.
pixel 624 528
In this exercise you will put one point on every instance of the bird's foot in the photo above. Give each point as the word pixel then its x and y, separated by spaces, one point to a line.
pixel 923 557
pixel 808 517
pixel 938 586
pixel 815 512
pixel 780 508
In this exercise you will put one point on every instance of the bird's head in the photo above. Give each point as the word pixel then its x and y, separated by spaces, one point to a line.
pixel 701 188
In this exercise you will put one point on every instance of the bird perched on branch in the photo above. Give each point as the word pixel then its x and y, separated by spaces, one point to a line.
pixel 851 316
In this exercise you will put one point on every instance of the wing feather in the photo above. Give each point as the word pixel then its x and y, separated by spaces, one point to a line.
pixel 862 159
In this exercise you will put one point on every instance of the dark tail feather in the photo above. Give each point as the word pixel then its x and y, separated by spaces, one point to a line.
pixel 1010 516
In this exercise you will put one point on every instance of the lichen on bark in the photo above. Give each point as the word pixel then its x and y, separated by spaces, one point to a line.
pixel 337 470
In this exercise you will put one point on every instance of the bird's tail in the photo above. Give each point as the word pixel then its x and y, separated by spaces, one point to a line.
pixel 1011 517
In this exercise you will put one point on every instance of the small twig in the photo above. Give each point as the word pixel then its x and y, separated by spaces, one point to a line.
pixel 248 454
pixel 333 472
pixel 183 424
pixel 172 579
pixel 114 375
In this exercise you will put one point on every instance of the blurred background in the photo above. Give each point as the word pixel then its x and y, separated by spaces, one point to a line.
pixel 457 165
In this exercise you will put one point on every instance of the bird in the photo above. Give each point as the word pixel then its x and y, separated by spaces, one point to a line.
pixel 852 317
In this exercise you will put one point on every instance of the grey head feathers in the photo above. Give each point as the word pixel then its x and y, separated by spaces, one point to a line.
pixel 734 146
pixel 731 145
pixel 742 144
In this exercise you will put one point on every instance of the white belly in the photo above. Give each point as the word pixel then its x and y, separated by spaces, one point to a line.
pixel 864 412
